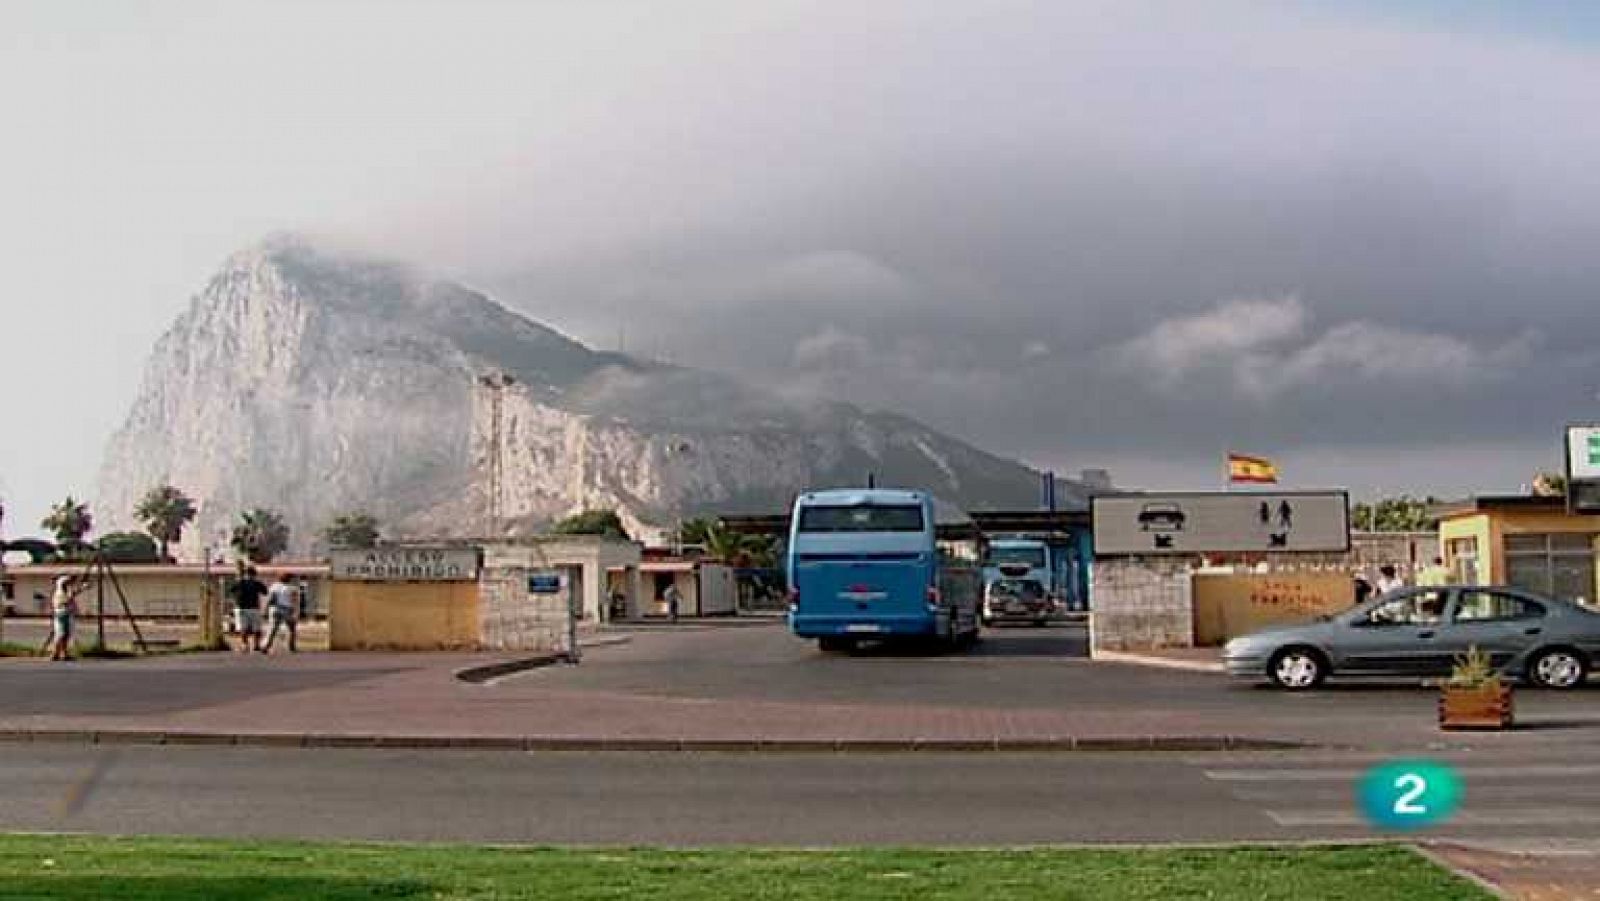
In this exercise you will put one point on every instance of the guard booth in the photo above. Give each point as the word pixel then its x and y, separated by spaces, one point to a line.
pixel 405 598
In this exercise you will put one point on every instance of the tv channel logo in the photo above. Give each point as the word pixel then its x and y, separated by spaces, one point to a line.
pixel 1404 795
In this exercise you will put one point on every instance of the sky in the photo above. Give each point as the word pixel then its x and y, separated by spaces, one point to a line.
pixel 1357 238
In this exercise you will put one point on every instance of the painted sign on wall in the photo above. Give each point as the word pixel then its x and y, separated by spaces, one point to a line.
pixel 406 564
pixel 1222 522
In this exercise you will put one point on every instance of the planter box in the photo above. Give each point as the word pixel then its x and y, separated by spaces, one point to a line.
pixel 1486 707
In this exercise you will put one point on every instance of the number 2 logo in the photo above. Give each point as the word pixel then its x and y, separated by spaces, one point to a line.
pixel 1412 787
pixel 1409 794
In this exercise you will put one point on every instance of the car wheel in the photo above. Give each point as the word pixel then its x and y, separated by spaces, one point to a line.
pixel 1558 668
pixel 1297 669
pixel 833 644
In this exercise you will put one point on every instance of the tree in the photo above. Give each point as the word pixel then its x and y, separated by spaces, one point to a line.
pixel 1394 514
pixel 695 531
pixel 353 530
pixel 130 547
pixel 260 535
pixel 165 511
pixel 592 522
pixel 724 544
pixel 69 521
pixel 1549 484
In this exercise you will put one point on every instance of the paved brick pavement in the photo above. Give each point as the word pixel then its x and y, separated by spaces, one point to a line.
pixel 1544 871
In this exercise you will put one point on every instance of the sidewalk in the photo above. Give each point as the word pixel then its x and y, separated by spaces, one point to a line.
pixel 1543 871
pixel 1195 660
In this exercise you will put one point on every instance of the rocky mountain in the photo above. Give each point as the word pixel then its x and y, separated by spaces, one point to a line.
pixel 316 383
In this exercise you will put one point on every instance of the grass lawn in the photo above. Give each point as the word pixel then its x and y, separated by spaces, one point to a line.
pixel 182 869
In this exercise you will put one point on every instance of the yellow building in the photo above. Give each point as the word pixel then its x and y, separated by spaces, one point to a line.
pixel 1525 541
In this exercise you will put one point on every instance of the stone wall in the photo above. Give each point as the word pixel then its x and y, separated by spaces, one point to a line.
pixel 1141 603
pixel 512 619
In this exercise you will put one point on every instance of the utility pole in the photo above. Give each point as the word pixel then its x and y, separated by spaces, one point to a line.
pixel 496 383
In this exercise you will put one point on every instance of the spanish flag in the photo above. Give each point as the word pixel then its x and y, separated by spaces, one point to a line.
pixel 1259 470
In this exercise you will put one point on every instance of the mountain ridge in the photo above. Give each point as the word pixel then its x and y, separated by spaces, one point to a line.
pixel 317 383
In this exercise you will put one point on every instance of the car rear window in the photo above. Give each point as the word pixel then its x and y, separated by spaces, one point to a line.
pixel 862 518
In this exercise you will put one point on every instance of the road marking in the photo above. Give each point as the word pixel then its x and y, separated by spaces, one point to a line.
pixel 1476 773
pixel 1541 816
pixel 77 794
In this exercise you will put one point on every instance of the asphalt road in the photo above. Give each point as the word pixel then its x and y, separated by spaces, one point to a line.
pixel 812 800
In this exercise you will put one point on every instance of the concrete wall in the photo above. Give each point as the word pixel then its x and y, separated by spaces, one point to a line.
pixel 403 616
pixel 591 558
pixel 1141 602
pixel 164 591
pixel 1228 605
pixel 512 619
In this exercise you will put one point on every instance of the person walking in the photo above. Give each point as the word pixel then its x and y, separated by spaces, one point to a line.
pixel 247 595
pixel 673 598
pixel 283 611
pixel 63 614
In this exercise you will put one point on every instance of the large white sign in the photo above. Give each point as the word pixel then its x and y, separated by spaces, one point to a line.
pixel 1583 451
pixel 1222 522
pixel 407 564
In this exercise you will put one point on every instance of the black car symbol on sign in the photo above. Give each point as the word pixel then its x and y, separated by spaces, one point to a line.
pixel 1161 518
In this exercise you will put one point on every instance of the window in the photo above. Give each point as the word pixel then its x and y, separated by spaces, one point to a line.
pixel 1491 606
pixel 1559 564
pixel 1032 557
pixel 1464 560
pixel 863 518
pixel 1422 608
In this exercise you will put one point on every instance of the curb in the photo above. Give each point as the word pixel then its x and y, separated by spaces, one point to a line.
pixel 1150 660
pixel 1098 744
pixel 479 675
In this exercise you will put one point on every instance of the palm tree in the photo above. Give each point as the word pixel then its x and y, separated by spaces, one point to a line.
pixel 352 530
pixel 722 543
pixel 165 511
pixel 695 531
pixel 69 521
pixel 260 535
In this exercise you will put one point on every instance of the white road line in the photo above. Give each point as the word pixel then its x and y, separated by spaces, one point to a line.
pixel 1540 816
pixel 1470 773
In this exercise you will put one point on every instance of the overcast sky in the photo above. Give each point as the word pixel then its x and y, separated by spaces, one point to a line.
pixel 1084 234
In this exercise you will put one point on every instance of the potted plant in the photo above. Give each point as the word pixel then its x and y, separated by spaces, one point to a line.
pixel 1475 696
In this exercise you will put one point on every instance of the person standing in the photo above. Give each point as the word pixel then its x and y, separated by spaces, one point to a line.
pixel 303 590
pixel 1435 574
pixel 673 598
pixel 247 595
pixel 283 610
pixel 1389 579
pixel 63 613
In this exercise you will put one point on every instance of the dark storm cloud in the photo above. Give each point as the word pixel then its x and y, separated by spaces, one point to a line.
pixel 1026 227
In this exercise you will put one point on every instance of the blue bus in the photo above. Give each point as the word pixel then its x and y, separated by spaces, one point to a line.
pixel 865 564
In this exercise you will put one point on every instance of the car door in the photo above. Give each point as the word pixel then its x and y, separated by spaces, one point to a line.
pixel 1398 634
pixel 1498 623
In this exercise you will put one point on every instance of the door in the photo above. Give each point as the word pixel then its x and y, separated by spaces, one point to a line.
pixel 1399 635
pixel 1498 623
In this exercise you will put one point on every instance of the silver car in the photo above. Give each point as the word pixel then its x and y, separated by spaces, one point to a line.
pixel 1420 632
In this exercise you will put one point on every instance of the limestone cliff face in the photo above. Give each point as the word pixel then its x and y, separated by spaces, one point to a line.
pixel 315 384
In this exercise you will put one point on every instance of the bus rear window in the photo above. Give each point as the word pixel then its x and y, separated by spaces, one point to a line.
pixel 865 518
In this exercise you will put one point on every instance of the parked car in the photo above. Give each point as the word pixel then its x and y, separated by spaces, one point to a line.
pixel 1018 600
pixel 1420 632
